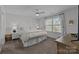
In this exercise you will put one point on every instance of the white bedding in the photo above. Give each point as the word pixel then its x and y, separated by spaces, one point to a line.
pixel 33 37
pixel 27 35
pixel 36 33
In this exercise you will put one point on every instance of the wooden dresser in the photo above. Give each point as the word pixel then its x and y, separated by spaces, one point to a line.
pixel 65 46
pixel 8 37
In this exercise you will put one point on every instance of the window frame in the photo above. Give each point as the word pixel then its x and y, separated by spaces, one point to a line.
pixel 54 24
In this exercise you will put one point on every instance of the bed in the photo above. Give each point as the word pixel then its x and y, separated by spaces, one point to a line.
pixel 33 37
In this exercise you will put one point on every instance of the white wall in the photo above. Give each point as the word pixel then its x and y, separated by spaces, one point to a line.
pixel 41 23
pixel 71 14
pixel 27 23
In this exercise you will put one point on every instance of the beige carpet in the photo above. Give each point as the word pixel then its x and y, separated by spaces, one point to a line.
pixel 47 46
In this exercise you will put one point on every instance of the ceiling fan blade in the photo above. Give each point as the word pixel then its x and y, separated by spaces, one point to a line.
pixel 35 10
pixel 42 12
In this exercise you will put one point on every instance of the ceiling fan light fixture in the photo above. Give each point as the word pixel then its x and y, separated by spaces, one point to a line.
pixel 37 14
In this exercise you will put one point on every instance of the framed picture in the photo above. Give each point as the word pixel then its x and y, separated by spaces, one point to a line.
pixel 71 22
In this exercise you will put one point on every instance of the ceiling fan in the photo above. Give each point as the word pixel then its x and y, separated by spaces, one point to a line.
pixel 38 12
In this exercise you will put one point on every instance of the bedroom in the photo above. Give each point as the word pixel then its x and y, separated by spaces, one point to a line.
pixel 36 22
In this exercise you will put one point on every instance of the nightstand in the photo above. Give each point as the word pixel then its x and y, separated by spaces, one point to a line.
pixel 8 37
pixel 15 36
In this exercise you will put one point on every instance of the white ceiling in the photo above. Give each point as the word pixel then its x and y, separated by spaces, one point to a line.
pixel 27 10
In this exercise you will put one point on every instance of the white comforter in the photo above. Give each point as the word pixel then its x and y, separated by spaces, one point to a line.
pixel 31 34
pixel 33 37
pixel 36 33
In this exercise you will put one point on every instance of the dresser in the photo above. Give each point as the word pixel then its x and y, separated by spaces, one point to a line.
pixel 65 45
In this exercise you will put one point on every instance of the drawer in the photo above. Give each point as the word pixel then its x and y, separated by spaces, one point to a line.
pixel 8 37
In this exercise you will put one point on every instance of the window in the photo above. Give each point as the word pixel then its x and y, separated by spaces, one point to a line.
pixel 54 24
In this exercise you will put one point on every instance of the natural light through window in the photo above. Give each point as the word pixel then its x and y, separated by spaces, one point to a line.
pixel 54 24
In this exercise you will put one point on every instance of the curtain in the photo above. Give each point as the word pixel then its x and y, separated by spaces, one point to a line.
pixel 63 24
